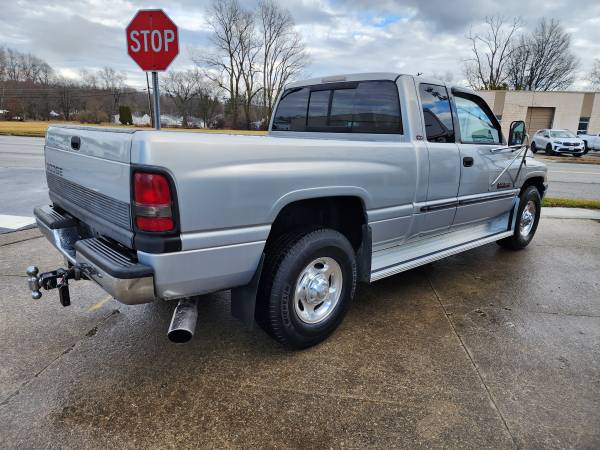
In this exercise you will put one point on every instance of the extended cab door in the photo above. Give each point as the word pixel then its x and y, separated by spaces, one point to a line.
pixel 437 213
pixel 481 194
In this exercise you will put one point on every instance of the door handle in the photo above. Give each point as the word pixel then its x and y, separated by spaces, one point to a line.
pixel 467 161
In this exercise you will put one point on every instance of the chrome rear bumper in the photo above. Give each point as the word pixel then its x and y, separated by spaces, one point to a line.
pixel 118 273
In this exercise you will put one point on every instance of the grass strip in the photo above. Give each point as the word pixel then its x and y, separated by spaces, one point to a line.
pixel 38 128
pixel 571 203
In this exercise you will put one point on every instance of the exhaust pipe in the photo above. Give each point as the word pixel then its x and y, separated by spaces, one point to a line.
pixel 184 320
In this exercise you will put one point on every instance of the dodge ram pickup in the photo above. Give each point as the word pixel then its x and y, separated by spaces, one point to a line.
pixel 360 177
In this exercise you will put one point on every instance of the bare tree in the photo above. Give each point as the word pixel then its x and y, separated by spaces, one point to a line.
pixel 223 63
pixel 13 65
pixel 247 61
pixel 207 104
pixel 542 60
pixel 594 76
pixel 491 52
pixel 283 53
pixel 66 92
pixel 2 63
pixel 182 88
pixel 89 80
pixel 113 82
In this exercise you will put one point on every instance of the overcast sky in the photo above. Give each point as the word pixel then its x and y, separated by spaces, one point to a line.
pixel 407 36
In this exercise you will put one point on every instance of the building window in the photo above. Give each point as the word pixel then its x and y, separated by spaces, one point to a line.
pixel 582 128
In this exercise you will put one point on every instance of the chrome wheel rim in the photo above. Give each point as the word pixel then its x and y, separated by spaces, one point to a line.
pixel 318 290
pixel 527 218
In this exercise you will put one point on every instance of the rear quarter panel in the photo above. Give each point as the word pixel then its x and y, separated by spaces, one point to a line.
pixel 229 181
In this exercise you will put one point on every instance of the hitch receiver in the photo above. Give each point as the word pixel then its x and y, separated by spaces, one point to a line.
pixel 55 279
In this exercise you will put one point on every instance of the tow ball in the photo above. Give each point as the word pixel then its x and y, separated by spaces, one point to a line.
pixel 55 279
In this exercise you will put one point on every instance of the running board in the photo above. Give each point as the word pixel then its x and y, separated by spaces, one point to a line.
pixel 378 274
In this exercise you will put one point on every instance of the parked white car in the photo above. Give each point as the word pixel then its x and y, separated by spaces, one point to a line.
pixel 557 141
pixel 591 141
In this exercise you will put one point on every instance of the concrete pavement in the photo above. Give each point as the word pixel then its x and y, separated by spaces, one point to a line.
pixel 486 349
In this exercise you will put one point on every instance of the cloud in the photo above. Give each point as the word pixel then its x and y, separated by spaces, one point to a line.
pixel 406 36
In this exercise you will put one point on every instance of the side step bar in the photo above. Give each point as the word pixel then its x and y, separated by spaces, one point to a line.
pixel 416 262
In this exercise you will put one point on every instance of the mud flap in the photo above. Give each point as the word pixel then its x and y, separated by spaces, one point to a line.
pixel 364 256
pixel 243 298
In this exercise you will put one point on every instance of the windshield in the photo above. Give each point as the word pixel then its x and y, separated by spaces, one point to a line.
pixel 562 134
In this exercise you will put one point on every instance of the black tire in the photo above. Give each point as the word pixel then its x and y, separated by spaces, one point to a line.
pixel 579 156
pixel 534 147
pixel 549 150
pixel 286 259
pixel 518 240
pixel 586 149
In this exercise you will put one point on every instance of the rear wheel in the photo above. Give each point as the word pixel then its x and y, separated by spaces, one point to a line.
pixel 528 217
pixel 585 148
pixel 533 147
pixel 549 150
pixel 308 282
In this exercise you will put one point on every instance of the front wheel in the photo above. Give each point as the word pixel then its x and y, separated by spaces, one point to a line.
pixel 308 282
pixel 528 217
pixel 549 150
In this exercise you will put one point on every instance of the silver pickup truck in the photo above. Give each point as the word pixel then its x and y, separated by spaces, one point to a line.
pixel 360 177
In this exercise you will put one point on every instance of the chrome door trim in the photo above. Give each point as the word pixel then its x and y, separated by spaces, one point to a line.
pixel 465 200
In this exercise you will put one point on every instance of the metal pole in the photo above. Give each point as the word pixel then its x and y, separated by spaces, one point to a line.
pixel 149 101
pixel 156 100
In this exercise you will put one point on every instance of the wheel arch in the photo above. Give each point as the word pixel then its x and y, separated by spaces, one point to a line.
pixel 535 180
pixel 345 212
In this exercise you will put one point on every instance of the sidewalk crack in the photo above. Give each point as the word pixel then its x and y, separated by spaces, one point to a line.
pixel 462 344
pixel 90 332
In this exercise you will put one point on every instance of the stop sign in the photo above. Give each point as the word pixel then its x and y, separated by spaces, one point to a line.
pixel 152 39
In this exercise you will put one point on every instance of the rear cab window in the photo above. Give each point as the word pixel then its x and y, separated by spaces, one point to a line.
pixel 348 107
pixel 437 113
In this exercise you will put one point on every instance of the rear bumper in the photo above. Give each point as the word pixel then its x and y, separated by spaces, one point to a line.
pixel 116 271
pixel 141 277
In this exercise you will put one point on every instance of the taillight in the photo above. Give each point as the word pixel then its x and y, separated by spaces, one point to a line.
pixel 152 202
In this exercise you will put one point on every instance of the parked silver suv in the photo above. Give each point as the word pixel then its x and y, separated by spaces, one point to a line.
pixel 360 177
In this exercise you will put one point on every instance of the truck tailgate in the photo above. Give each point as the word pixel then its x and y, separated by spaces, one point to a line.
pixel 88 173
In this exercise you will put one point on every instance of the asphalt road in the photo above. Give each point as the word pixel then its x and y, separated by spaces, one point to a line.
pixel 23 184
pixel 486 349
pixel 22 180
pixel 570 180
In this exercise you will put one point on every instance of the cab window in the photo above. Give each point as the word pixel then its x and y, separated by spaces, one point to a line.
pixel 476 124
pixel 353 107
pixel 436 113
pixel 291 111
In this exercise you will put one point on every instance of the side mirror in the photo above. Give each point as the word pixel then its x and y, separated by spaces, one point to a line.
pixel 516 135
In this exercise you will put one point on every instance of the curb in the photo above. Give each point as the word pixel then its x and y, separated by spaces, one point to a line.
pixel 570 213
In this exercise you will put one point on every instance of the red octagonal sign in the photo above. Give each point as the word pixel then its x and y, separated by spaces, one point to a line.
pixel 152 39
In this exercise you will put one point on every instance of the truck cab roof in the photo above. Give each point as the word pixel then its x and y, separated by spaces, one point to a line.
pixel 369 76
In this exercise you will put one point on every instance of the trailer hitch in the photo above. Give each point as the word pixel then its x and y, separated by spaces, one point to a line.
pixel 56 279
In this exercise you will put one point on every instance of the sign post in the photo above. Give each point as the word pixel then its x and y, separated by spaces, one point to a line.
pixel 156 92
pixel 153 43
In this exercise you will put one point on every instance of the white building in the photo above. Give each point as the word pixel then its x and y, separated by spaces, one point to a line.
pixel 571 110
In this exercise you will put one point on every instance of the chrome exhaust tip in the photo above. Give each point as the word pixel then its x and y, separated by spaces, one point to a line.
pixel 183 323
